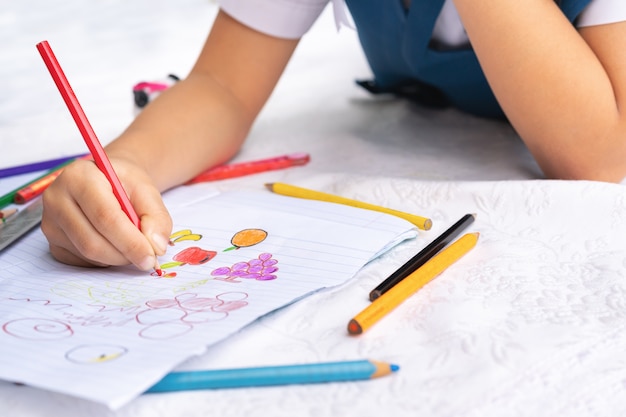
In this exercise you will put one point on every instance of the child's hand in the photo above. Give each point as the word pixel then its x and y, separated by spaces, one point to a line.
pixel 86 226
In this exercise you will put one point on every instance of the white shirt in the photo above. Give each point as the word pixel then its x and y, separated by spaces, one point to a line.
pixel 293 18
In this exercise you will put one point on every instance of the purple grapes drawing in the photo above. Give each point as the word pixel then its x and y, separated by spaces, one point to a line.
pixel 262 268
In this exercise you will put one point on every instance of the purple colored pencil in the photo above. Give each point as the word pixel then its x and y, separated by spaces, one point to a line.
pixel 36 166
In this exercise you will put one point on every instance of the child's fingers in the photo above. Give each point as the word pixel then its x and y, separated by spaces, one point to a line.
pixel 156 223
pixel 72 238
pixel 68 257
pixel 83 217
pixel 120 236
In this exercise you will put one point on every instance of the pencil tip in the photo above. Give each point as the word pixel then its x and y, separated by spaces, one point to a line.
pixel 269 186
pixel 354 327
pixel 394 368
pixel 157 268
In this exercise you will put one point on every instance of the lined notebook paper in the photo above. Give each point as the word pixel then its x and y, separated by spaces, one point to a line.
pixel 108 334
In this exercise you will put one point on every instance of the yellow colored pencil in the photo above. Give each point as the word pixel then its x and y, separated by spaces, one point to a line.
pixel 423 223
pixel 411 284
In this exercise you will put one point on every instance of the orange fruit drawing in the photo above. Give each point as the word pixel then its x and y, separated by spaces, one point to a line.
pixel 247 237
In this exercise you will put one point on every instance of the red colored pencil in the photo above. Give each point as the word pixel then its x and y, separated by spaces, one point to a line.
pixel 94 145
pixel 240 169
pixel 37 187
pixel 99 156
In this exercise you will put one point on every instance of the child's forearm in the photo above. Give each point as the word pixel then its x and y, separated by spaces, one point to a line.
pixel 202 120
pixel 193 125
pixel 561 95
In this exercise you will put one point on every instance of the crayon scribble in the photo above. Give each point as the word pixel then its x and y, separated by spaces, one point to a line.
pixel 122 293
pixel 38 329
pixel 162 318
pixel 167 318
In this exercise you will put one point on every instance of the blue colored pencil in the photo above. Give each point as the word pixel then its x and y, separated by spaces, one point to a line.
pixel 273 375
pixel 36 166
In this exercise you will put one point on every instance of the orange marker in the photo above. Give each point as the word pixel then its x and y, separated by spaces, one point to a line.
pixel 408 286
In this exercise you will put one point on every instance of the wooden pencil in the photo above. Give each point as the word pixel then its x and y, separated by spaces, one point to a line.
pixel 423 223
pixel 411 284
pixel 423 256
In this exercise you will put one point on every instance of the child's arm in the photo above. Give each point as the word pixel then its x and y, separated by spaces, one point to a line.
pixel 199 122
pixel 563 90
pixel 202 120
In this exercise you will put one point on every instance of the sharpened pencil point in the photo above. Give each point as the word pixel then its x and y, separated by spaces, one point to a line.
pixel 157 268
pixel 354 327
pixel 270 186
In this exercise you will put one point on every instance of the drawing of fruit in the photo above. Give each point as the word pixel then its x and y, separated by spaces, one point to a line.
pixel 262 268
pixel 192 256
pixel 247 237
pixel 183 235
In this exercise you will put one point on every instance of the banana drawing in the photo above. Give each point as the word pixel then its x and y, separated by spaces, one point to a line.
pixel 183 235
pixel 180 233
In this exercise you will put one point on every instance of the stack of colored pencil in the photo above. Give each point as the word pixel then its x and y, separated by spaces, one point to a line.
pixel 36 187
